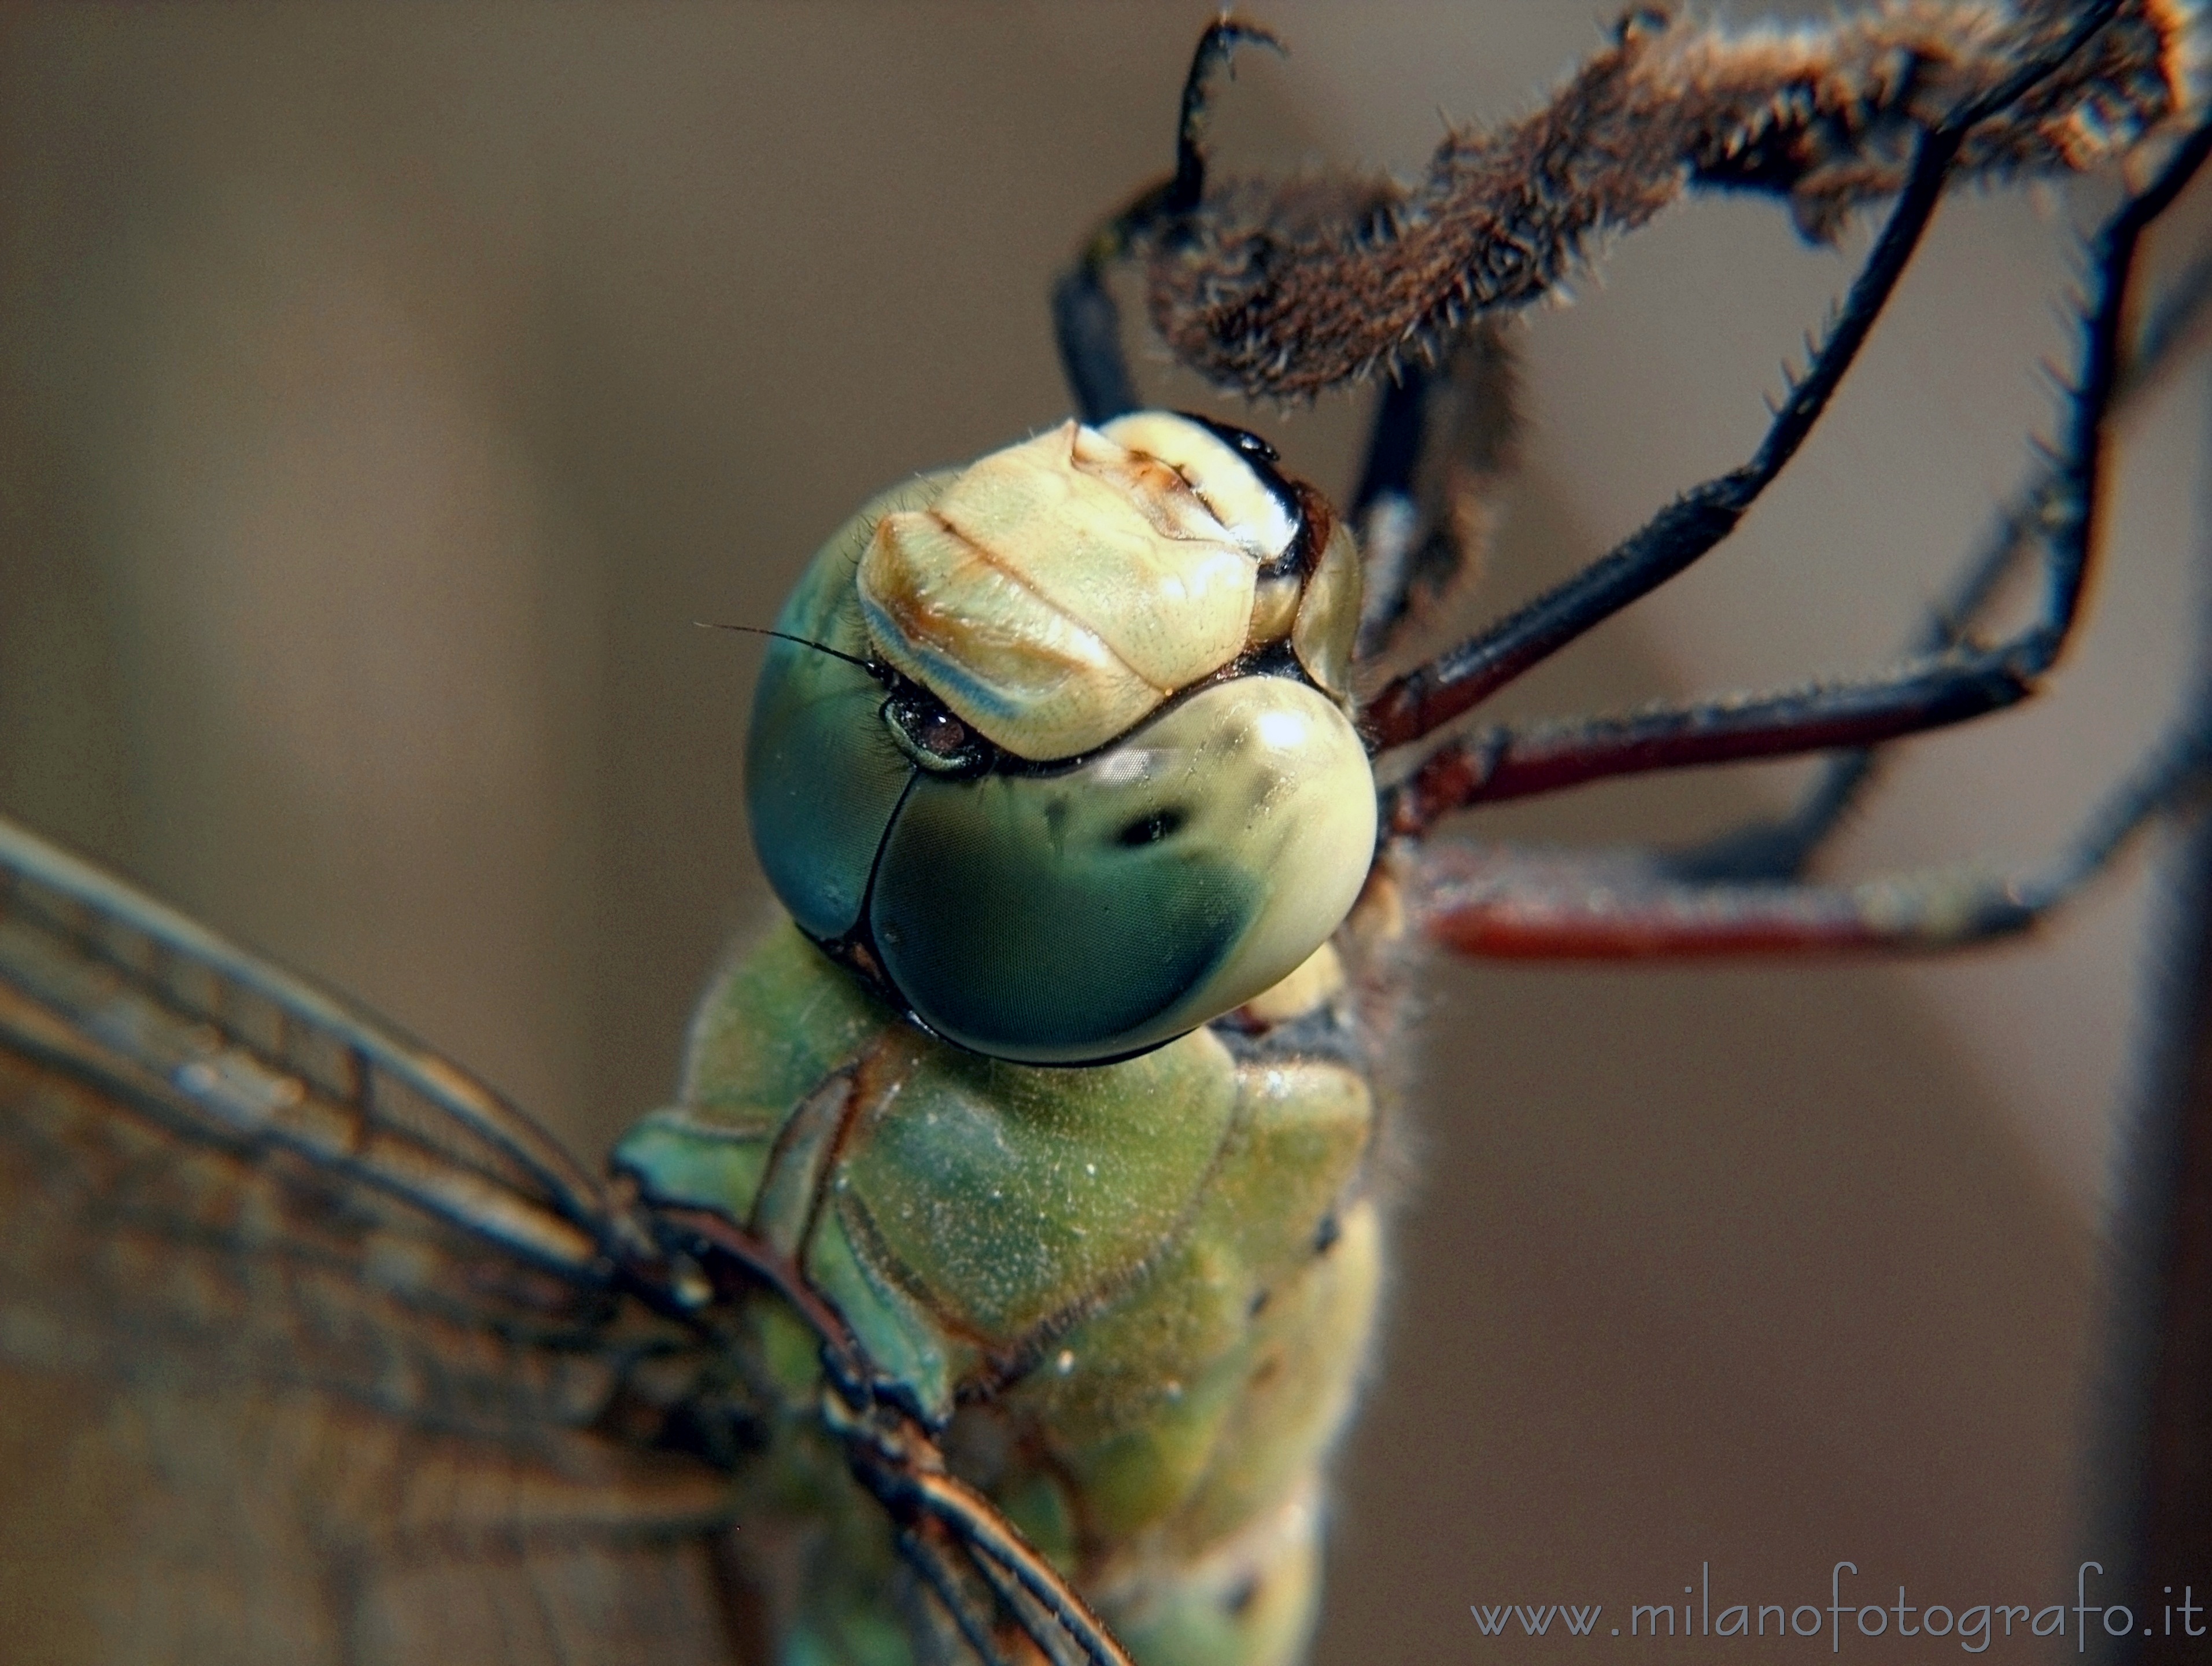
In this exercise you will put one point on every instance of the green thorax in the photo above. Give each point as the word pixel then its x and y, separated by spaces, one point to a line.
pixel 1135 1295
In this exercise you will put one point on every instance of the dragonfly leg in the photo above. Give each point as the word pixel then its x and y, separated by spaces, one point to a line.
pixel 1429 695
pixel 1501 903
pixel 1782 848
pixel 1086 321
pixel 1946 677
pixel 1441 442
pixel 937 1567
pixel 892 1455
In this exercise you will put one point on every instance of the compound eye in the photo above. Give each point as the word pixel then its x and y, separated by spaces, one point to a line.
pixel 1085 915
pixel 823 771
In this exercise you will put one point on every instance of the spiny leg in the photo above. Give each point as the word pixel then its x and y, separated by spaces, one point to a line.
pixel 1509 903
pixel 1432 695
pixel 1519 760
pixel 1784 847
pixel 1517 904
pixel 1945 679
pixel 1086 322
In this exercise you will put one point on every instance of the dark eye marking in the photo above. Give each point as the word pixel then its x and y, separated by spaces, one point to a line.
pixel 1151 829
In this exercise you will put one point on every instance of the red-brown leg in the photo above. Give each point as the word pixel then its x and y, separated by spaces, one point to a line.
pixel 1498 901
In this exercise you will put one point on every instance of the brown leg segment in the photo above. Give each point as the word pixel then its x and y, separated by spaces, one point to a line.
pixel 1501 903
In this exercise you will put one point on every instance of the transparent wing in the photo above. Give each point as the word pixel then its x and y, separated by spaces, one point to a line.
pixel 327 1361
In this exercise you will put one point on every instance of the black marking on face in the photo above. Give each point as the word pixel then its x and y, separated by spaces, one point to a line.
pixel 1161 823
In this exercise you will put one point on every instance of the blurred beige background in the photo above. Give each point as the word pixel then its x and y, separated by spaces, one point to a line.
pixel 385 391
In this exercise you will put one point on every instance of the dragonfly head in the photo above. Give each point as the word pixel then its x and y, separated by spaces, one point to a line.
pixel 1077 774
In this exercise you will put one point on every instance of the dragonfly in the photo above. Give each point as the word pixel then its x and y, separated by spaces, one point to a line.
pixel 490 1251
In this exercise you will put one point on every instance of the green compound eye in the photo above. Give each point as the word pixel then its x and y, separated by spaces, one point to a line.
pixel 1064 914
pixel 823 776
pixel 1070 917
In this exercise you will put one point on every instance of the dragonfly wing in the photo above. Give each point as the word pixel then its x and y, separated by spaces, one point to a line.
pixel 344 1370
pixel 184 1527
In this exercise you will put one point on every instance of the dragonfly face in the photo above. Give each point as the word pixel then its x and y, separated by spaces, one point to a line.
pixel 1119 797
pixel 1798 1175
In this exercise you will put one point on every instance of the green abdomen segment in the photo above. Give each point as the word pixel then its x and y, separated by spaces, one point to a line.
pixel 1137 1295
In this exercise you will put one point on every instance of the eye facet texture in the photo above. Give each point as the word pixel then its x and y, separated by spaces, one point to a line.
pixel 822 774
pixel 1068 917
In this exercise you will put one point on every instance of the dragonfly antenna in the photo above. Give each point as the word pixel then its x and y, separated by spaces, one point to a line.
pixel 785 637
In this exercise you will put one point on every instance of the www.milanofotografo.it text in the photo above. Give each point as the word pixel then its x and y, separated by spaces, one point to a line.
pixel 1852 1617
